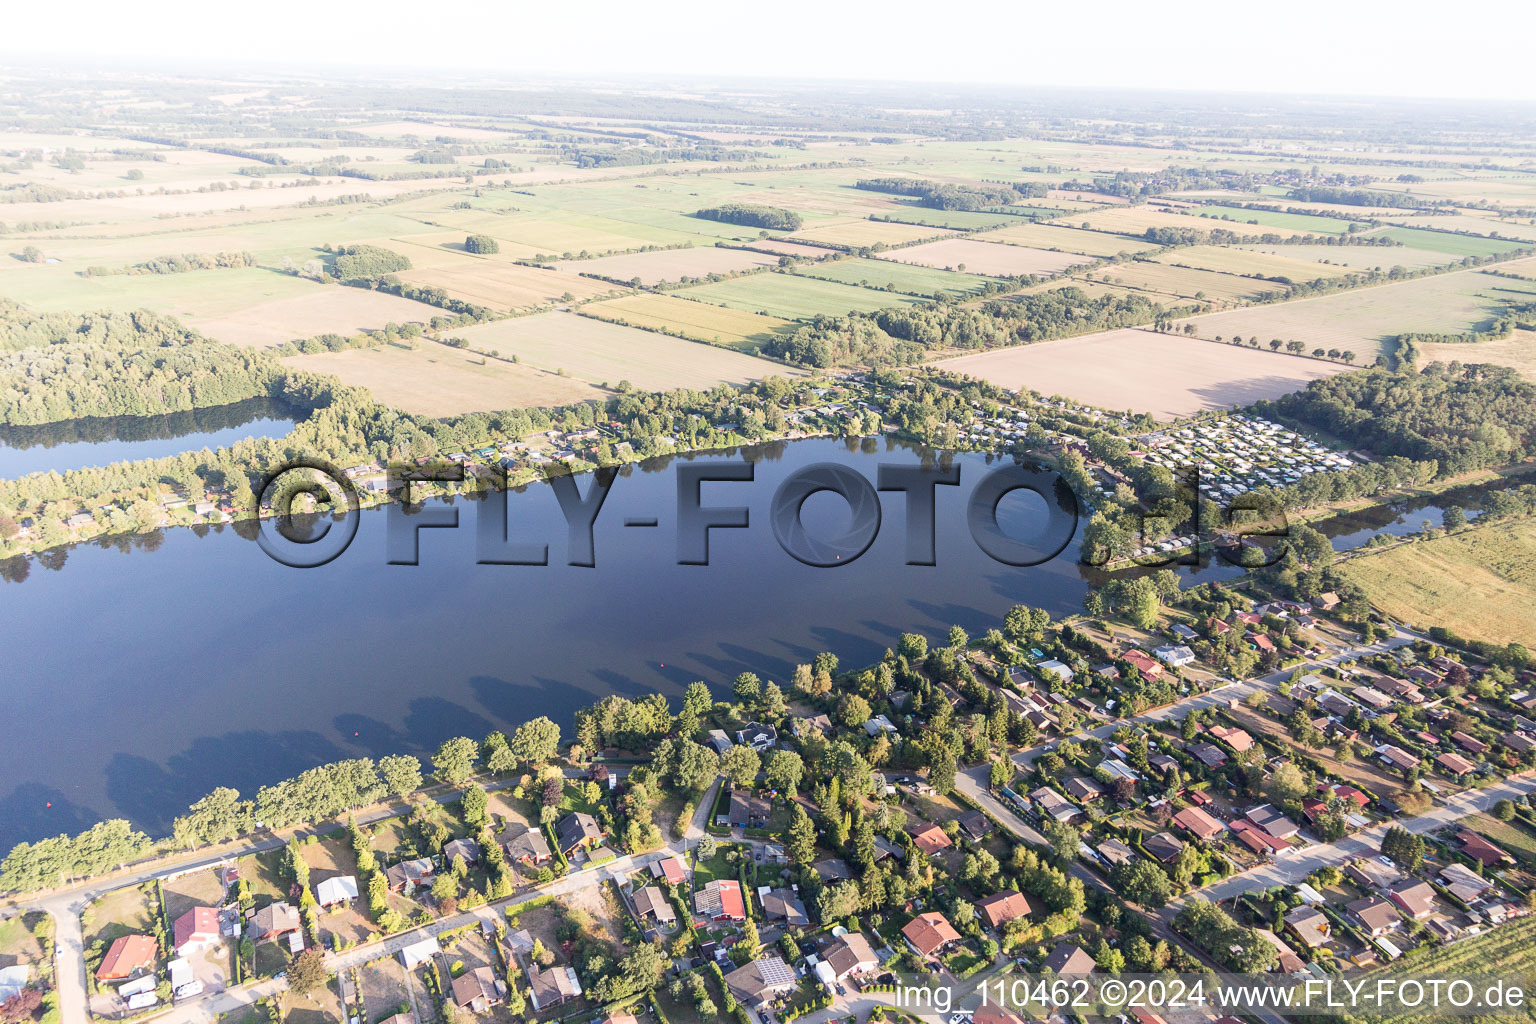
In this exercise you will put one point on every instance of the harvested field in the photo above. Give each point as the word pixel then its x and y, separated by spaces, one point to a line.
pixel 1363 320
pixel 860 233
pixel 1182 282
pixel 794 297
pixel 702 321
pixel 334 310
pixel 1490 226
pixel 987 258
pixel 893 275
pixel 607 353
pixel 1135 220
pixel 1068 239
pixel 1247 262
pixel 1518 352
pixel 669 265
pixel 783 248
pixel 507 285
pixel 1162 374
pixel 1353 257
pixel 961 219
pixel 199 293
pixel 1480 584
pixel 434 380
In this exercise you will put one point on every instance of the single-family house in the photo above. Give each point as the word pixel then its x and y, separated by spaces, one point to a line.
pixel 1287 960
pixel 1377 916
pixel 129 955
pixel 653 903
pixel 478 990
pixel 785 905
pixel 1309 925
pixel 930 933
pixel 467 849
pixel 928 837
pixel 850 955
pixel 196 930
pixel 1471 744
pixel 759 982
pixel 1069 960
pixel 720 899
pixel 1198 822
pixel 1084 789
pixel 1164 846
pixel 1272 820
pixel 975 824
pixel 1413 897
pixel 1483 850
pixel 1002 907
pixel 527 847
pixel 1059 670
pixel 1175 655
pixel 1150 669
pixel 670 869
pixel 1237 739
pixel 1454 765
pixel 552 987
pixel 577 831
pixel 336 892
pixel 274 921
pixel 418 953
pixel 758 736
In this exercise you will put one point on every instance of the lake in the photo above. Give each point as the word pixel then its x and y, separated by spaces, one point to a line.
pixel 76 444
pixel 146 671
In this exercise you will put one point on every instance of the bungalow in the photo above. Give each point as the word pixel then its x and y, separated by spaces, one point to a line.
pixel 1150 669
pixel 1215 627
pixel 1396 757
pixel 1183 632
pixel 1398 689
pixel 1413 897
pixel 975 824
pixel 1287 961
pixel 1249 618
pixel 1175 655
pixel 1057 806
pixel 478 990
pixel 1424 677
pixel 833 869
pixel 1455 764
pixel 885 848
pixel 1256 839
pixel 1376 915
pixel 1086 790
pixel 1108 671
pixel 877 725
pixel 465 848
pixel 850 955
pixel 1310 925
pixel 928 837
pixel 1464 883
pixel 671 869
pixel 274 921
pixel 552 987
pixel 1482 850
pixel 195 931
pixel 335 892
pixel 1271 820
pixel 1237 739
pixel 1162 762
pixel 1060 670
pixel 1208 754
pixel 1471 744
pixel 1164 846
pixel 719 740
pixel 1327 601
pixel 1115 852
pixel 1197 822
pixel 1000 908
pixel 784 905
pixel 1372 874
pixel 759 982
pixel 803 726
pixel 1260 642
pixel 1353 795
pixel 1372 698
pixel 418 953
pixel 1519 742
pixel 577 831
pixel 408 874
pixel 929 933
pixel 528 847
pixel 652 902
pixel 1069 960
pixel 747 810
pixel 720 900
pixel 128 956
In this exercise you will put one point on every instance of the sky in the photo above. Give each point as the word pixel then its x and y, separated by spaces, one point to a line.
pixel 1473 49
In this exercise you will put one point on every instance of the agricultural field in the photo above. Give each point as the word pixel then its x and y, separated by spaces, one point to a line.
pixel 1163 374
pixel 1518 352
pixel 1135 220
pixel 1068 239
pixel 861 233
pixel 1246 262
pixel 1353 257
pixel 965 220
pixel 701 321
pixel 1480 584
pixel 1183 283
pixel 507 286
pixel 891 275
pixel 670 265
pixel 988 258
pixel 1451 245
pixel 1305 223
pixel 603 353
pixel 783 248
pixel 795 297
pixel 1363 320
pixel 199 293
pixel 434 380
pixel 332 310
pixel 1522 230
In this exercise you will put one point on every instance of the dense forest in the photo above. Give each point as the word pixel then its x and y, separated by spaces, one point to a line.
pixel 749 215
pixel 903 334
pixel 1463 416
pixel 367 262
pixel 941 196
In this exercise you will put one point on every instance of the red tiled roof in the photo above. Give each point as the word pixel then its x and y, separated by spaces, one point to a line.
pixel 127 955
pixel 927 932
pixel 197 923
